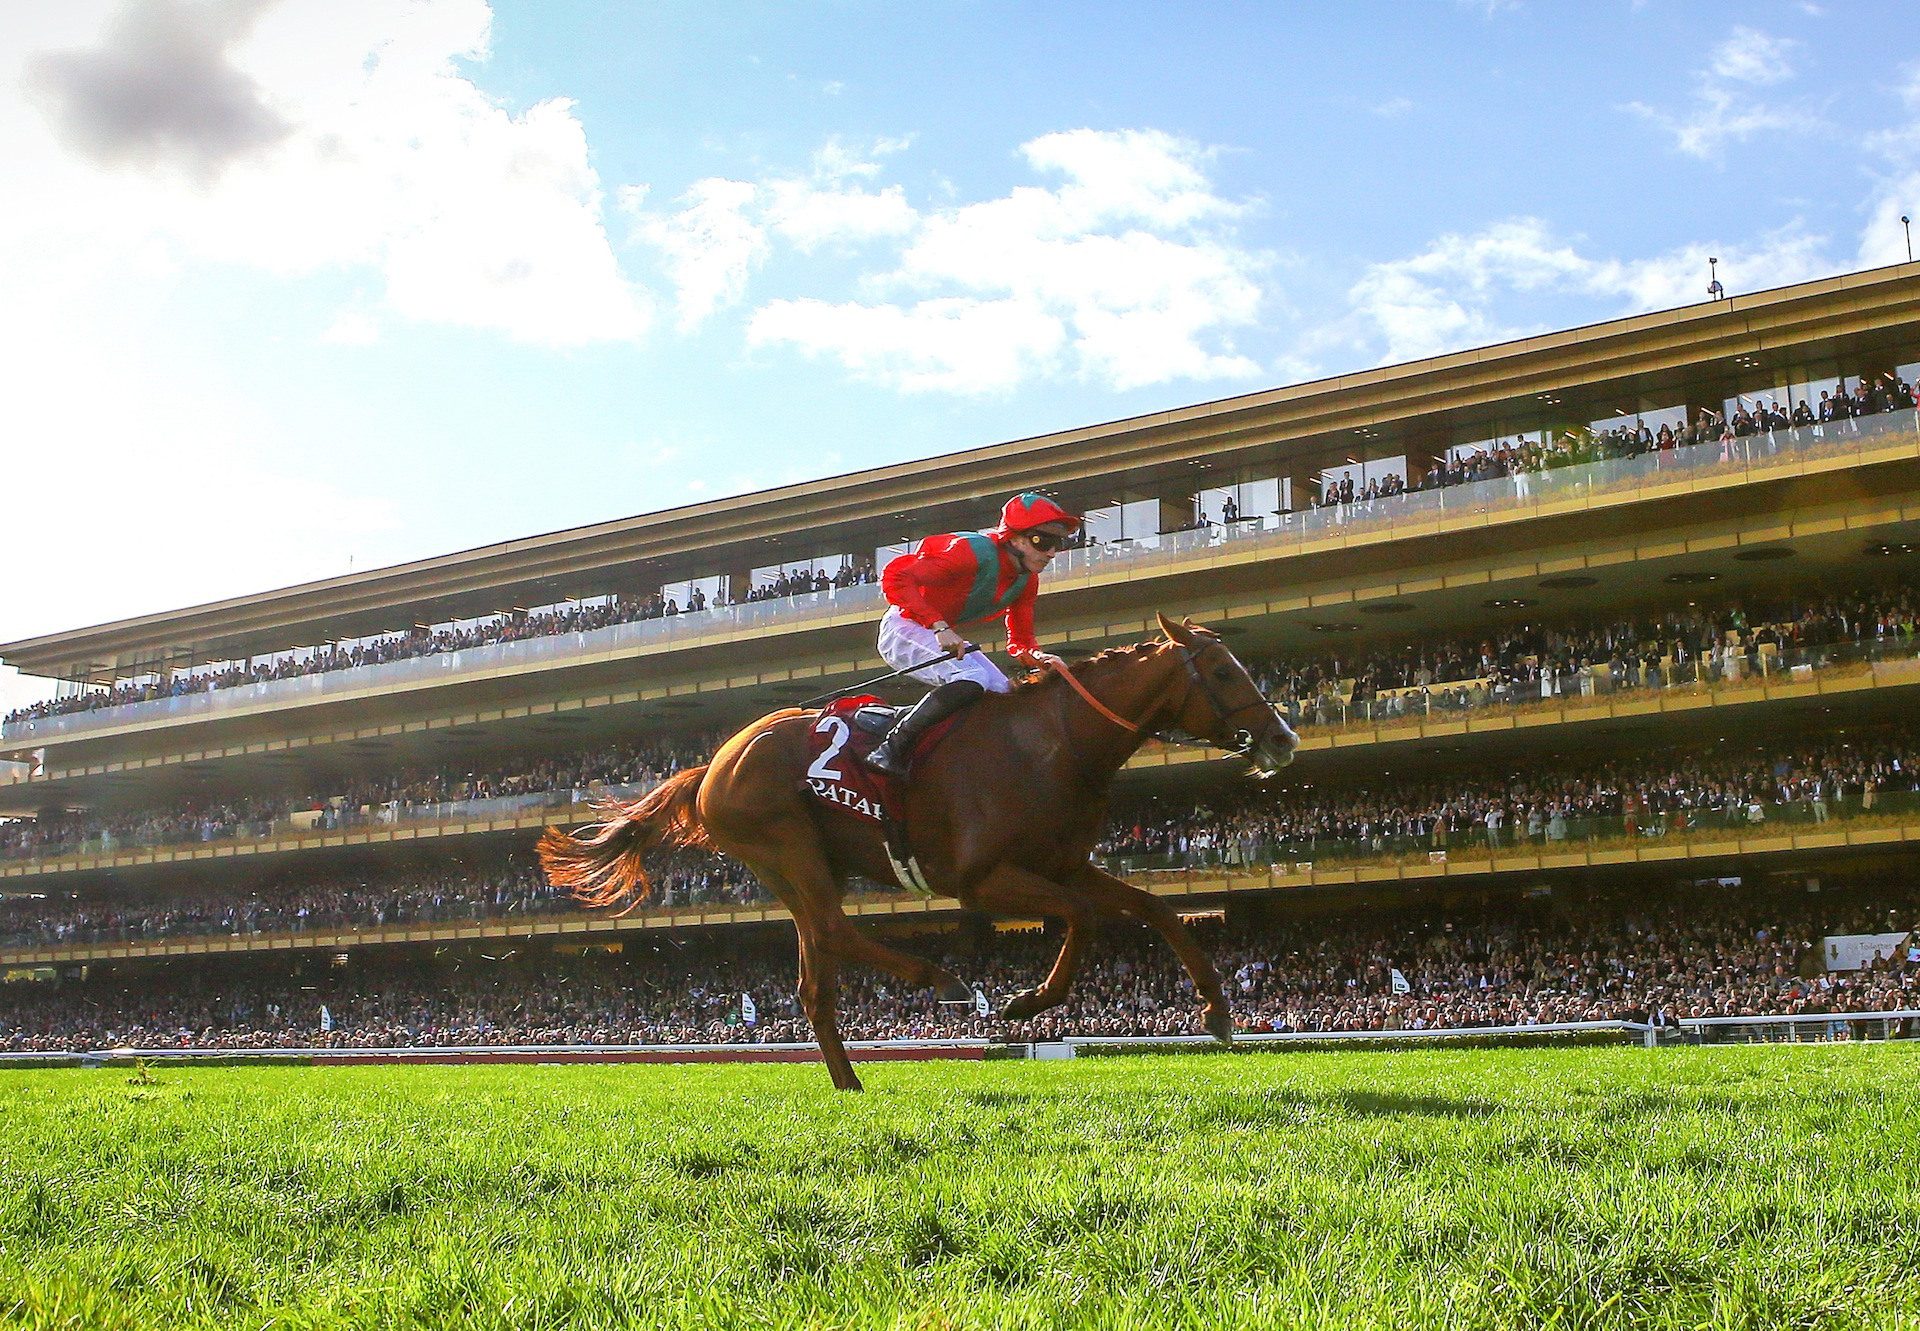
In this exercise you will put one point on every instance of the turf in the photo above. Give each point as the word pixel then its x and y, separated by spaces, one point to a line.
pixel 1746 1187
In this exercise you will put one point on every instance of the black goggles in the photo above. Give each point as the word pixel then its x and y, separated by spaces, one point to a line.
pixel 1046 541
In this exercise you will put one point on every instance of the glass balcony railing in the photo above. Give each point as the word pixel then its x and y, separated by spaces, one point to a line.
pixel 1273 535
pixel 467 663
pixel 1743 667
pixel 1895 660
pixel 1226 850
pixel 184 835
pixel 1734 462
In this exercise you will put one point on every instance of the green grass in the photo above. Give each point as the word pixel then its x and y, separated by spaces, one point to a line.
pixel 1756 1187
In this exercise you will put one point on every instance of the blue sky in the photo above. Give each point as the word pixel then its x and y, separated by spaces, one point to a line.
pixel 298 284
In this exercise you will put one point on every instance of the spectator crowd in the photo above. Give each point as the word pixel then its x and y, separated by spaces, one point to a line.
pixel 391 798
pixel 1834 416
pixel 1486 809
pixel 1509 665
pixel 1717 951
pixel 1748 637
pixel 426 641
pixel 1538 805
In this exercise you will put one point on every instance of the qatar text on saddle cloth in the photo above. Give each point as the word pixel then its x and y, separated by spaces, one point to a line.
pixel 835 774
pixel 838 779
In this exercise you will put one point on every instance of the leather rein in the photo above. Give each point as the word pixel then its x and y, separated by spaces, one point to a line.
pixel 1220 709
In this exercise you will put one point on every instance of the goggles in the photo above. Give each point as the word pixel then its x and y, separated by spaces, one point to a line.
pixel 1045 541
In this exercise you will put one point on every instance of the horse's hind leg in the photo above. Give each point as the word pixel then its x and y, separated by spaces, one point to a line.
pixel 794 871
pixel 1123 898
pixel 1009 890
pixel 855 945
pixel 820 996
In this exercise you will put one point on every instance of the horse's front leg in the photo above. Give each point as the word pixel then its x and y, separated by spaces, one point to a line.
pixel 1010 890
pixel 1113 894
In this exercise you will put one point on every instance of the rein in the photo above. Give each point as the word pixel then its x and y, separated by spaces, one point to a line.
pixel 1060 668
pixel 1187 659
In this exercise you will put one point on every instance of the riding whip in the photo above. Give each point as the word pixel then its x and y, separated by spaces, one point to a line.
pixel 972 647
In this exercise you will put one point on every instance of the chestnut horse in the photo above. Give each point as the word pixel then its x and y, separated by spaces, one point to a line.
pixel 1003 813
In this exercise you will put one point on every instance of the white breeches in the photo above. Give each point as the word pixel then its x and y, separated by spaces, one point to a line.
pixel 904 643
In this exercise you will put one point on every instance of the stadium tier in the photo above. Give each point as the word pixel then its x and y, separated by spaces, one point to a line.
pixel 1628 608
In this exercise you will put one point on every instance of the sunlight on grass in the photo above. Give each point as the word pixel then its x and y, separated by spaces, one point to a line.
pixel 1604 1187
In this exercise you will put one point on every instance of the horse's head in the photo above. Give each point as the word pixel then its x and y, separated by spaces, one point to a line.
pixel 1223 705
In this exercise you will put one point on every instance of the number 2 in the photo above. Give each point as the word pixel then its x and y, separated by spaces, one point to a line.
pixel 823 765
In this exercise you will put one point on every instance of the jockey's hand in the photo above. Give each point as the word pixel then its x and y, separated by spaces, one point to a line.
pixel 951 642
pixel 1040 660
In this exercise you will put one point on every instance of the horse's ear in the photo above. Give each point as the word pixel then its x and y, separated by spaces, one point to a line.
pixel 1174 632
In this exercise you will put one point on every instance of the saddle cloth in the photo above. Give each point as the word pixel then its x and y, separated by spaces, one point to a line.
pixel 844 733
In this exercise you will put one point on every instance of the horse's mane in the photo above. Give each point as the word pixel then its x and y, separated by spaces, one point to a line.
pixel 1093 667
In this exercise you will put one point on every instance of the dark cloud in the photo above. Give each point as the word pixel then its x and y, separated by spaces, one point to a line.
pixel 158 93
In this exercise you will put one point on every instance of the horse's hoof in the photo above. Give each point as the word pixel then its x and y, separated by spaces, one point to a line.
pixel 1220 1026
pixel 957 994
pixel 1021 1006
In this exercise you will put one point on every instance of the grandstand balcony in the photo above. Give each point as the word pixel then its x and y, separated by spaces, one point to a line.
pixel 1090 588
pixel 1770 839
pixel 1800 688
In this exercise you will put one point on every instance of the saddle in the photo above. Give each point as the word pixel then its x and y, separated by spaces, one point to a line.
pixel 845 732
pixel 876 718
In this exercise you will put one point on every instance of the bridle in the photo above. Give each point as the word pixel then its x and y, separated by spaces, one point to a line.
pixel 1195 678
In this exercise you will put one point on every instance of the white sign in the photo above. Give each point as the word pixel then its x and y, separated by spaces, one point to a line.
pixel 1850 952
pixel 1400 985
pixel 749 1014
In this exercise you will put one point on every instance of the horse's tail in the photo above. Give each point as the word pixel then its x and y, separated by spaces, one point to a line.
pixel 602 864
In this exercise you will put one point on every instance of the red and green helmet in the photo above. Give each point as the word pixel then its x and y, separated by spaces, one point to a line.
pixel 1032 509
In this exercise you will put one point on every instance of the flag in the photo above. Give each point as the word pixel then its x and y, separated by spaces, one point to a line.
pixel 748 1012
pixel 326 1018
pixel 1400 985
pixel 981 1005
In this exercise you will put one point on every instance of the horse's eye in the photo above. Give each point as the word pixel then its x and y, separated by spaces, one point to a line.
pixel 1224 674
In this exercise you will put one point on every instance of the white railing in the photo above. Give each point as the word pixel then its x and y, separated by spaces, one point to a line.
pixel 1268 536
pixel 1899 1023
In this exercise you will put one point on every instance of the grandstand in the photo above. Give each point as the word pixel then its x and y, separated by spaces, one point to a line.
pixel 1599 646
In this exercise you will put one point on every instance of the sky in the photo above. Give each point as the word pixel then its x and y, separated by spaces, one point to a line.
pixel 290 288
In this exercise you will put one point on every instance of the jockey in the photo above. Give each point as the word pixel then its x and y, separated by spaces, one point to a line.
pixel 965 578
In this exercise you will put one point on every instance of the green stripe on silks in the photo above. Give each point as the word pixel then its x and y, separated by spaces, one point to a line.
pixel 981 601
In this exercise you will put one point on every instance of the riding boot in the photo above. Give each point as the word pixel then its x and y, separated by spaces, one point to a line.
pixel 894 754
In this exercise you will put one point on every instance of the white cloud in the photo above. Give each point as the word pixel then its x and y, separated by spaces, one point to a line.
pixel 1461 290
pixel 810 217
pixel 300 140
pixel 1393 108
pixel 352 328
pixel 1897 191
pixel 1752 56
pixel 947 344
pixel 1726 106
pixel 182 496
pixel 721 233
pixel 1126 273
pixel 710 246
